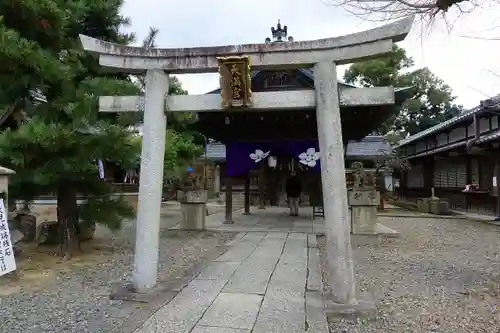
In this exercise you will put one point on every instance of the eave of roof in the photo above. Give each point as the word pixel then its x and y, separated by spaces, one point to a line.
pixel 494 135
pixel 484 138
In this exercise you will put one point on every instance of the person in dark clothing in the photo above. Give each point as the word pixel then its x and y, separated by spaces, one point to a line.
pixel 293 191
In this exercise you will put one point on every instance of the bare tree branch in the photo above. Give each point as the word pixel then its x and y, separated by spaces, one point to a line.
pixel 148 42
pixel 395 9
pixel 491 72
pixel 481 38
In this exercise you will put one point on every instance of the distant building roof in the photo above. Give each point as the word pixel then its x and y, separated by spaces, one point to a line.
pixel 466 115
pixel 372 146
pixel 35 96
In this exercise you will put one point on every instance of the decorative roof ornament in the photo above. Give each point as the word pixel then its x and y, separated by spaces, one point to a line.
pixel 279 34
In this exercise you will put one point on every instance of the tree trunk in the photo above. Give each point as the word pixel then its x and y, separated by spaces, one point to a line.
pixel 67 218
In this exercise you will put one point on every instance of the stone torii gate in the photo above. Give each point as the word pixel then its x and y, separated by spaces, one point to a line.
pixel 323 55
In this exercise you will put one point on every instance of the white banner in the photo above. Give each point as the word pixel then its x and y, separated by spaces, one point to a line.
pixel 7 261
pixel 100 167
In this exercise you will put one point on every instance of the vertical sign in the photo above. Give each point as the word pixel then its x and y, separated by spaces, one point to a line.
pixel 235 81
pixel 7 261
pixel 388 182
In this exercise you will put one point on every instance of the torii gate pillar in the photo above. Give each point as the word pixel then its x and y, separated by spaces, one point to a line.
pixel 337 223
pixel 151 182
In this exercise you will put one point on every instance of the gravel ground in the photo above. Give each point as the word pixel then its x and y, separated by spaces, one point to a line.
pixel 77 299
pixel 442 275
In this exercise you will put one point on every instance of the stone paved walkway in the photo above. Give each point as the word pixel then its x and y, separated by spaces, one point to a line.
pixel 276 219
pixel 267 281
pixel 264 220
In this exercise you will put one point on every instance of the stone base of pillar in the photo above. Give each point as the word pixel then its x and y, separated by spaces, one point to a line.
pixel 228 222
pixel 363 204
pixel 193 208
pixel 246 213
pixel 335 311
pixel 128 293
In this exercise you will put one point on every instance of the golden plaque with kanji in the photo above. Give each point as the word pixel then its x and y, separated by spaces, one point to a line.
pixel 235 81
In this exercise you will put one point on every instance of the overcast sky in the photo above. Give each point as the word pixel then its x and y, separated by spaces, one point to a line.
pixel 464 63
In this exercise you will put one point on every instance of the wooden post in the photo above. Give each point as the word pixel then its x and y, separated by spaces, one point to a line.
pixel 468 179
pixel 495 187
pixel 229 201
pixel 247 195
pixel 262 184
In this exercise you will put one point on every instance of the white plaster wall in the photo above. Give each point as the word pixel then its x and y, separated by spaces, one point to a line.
pixel 494 122
pixel 484 125
pixel 457 134
pixel 470 130
pixel 421 146
pixel 442 139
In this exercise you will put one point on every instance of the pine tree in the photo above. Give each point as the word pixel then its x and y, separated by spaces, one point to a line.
pixel 55 148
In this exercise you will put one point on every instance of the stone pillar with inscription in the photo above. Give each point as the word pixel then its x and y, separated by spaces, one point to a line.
pixel 193 208
pixel 363 200
pixel 363 203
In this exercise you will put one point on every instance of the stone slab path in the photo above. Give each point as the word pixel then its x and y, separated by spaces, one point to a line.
pixel 267 281
pixel 275 219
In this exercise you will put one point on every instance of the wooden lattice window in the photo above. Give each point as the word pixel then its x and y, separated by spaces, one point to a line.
pixel 450 174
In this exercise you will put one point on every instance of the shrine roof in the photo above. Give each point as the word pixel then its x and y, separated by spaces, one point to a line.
pixel 270 125
pixel 307 72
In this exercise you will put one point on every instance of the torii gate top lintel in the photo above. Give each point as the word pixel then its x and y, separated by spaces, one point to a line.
pixel 300 54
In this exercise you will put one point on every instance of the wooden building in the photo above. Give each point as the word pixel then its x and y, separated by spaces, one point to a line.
pixel 371 150
pixel 459 158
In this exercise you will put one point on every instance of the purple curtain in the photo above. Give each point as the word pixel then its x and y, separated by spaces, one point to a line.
pixel 242 157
